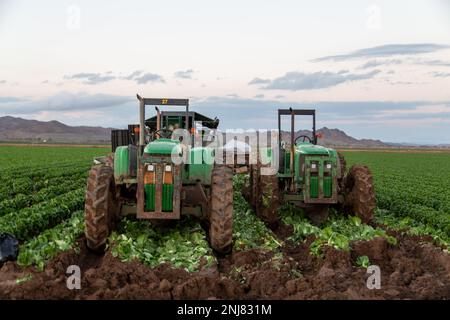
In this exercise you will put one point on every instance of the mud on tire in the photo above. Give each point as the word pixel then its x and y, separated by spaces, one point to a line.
pixel 263 195
pixel 359 193
pixel 101 208
pixel 342 168
pixel 268 201
pixel 221 213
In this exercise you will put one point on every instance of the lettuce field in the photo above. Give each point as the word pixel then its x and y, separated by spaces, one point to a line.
pixel 42 201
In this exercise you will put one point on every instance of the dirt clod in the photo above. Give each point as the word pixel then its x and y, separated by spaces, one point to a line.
pixel 409 269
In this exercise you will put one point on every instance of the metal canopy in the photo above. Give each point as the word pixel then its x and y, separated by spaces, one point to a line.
pixel 207 122
pixel 297 112
pixel 157 102
pixel 165 102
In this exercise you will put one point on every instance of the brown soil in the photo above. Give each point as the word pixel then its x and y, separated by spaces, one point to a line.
pixel 409 270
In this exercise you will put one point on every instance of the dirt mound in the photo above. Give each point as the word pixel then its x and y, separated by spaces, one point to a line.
pixel 106 277
pixel 409 269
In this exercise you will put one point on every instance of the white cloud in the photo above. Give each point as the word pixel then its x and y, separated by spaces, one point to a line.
pixel 425 109
pixel 296 81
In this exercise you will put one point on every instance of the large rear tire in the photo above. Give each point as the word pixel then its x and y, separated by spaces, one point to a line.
pixel 342 169
pixel 221 214
pixel 101 208
pixel 268 199
pixel 359 193
pixel 263 195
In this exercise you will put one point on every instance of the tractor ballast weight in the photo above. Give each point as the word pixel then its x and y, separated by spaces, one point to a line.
pixel 142 179
pixel 309 176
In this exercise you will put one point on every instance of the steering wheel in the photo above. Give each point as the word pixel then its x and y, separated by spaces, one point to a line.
pixel 304 139
pixel 163 133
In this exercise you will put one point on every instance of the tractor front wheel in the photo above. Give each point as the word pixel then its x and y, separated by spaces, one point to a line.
pixel 359 193
pixel 101 208
pixel 221 214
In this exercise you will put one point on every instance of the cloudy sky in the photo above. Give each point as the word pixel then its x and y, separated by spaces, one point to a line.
pixel 375 69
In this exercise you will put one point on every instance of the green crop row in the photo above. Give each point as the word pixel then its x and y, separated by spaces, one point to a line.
pixel 12 157
pixel 182 246
pixel 30 221
pixel 26 185
pixel 25 200
pixel 338 231
pixel 249 232
pixel 410 226
pixel 36 171
pixel 47 245
pixel 412 190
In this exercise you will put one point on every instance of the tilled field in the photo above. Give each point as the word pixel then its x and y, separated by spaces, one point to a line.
pixel 409 270
pixel 41 203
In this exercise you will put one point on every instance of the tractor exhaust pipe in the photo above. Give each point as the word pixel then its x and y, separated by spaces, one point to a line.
pixel 141 120
pixel 158 119
pixel 291 164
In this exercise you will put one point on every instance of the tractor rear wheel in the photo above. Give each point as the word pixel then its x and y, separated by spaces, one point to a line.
pixel 343 168
pixel 101 208
pixel 221 214
pixel 263 195
pixel 359 193
pixel 267 201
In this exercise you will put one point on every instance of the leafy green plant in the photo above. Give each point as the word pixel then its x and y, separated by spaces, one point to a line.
pixel 182 246
pixel 248 230
pixel 25 278
pixel 30 221
pixel 411 190
pixel 363 261
pixel 25 200
pixel 338 232
pixel 42 248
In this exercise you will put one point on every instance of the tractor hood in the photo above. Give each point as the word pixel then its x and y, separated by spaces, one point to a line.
pixel 311 149
pixel 163 146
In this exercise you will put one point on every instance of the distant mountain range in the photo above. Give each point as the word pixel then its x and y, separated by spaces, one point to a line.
pixel 338 138
pixel 22 130
pixel 14 129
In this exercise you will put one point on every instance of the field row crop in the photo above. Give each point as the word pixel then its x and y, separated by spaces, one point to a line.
pixel 30 221
pixel 45 194
pixel 12 157
pixel 338 231
pixel 26 185
pixel 45 246
pixel 412 191
pixel 37 170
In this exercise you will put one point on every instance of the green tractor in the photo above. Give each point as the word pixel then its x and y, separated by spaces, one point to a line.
pixel 141 178
pixel 309 176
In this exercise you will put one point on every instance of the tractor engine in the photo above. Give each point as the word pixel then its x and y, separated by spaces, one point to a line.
pixel 315 176
pixel 159 182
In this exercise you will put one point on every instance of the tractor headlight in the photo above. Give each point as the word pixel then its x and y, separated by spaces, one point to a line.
pixel 168 168
pixel 313 166
pixel 328 165
pixel 151 168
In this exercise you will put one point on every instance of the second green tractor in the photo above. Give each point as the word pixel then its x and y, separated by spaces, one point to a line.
pixel 308 176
